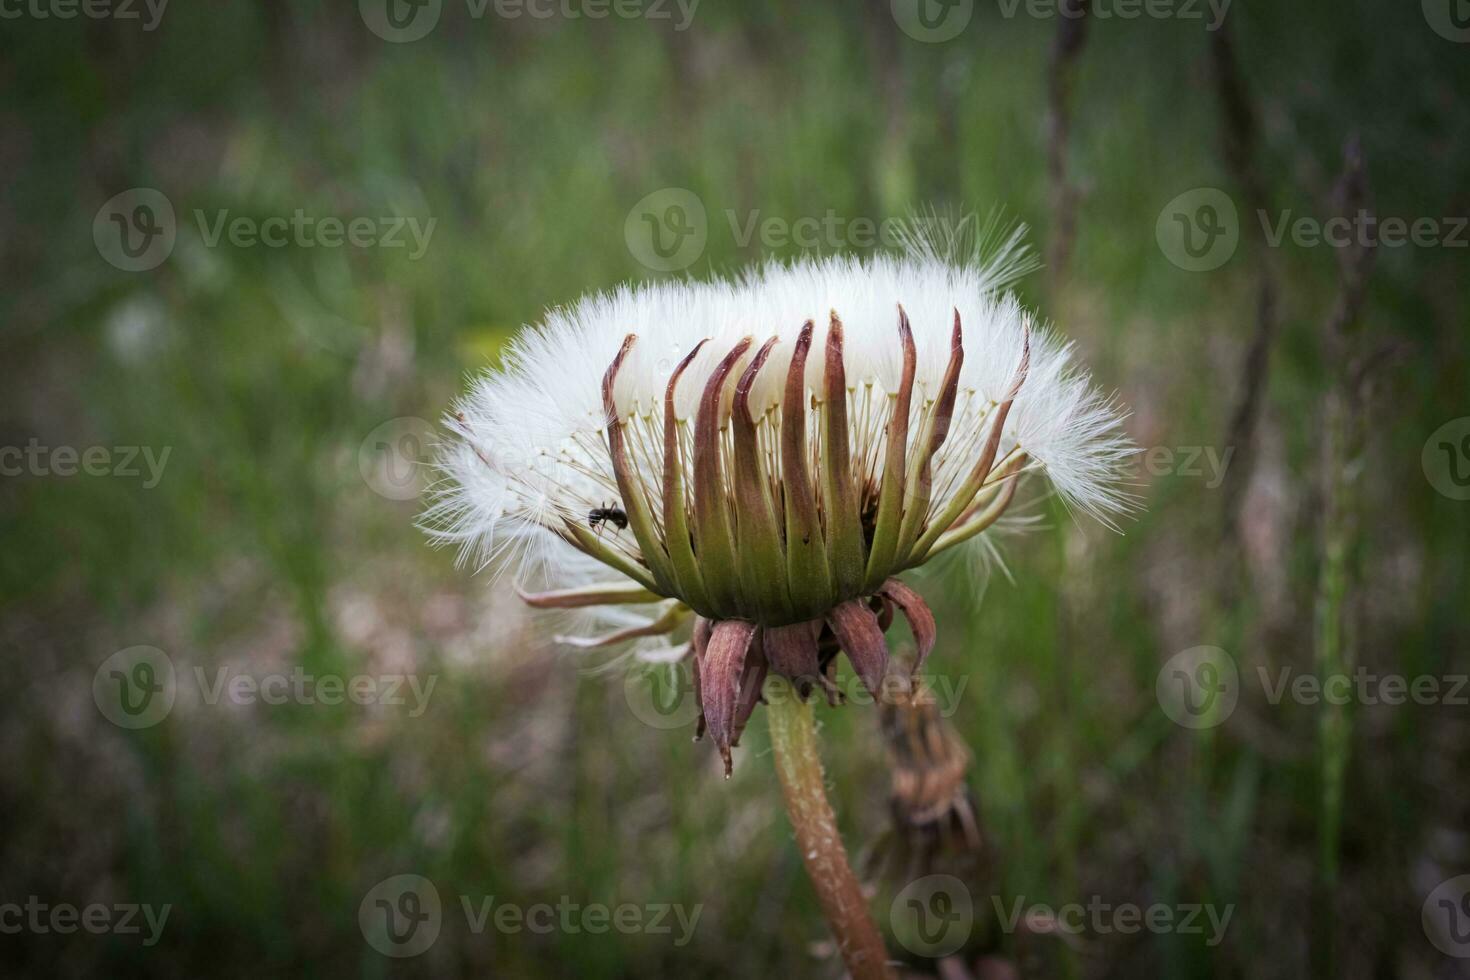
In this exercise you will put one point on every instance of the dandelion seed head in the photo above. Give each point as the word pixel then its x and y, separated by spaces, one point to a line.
pixel 532 444
pixel 768 452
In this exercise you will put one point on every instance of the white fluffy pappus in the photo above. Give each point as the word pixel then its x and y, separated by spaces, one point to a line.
pixel 530 459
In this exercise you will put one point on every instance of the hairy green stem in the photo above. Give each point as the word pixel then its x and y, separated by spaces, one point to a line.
pixel 794 740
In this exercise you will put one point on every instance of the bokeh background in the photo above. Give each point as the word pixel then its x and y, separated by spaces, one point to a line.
pixel 297 391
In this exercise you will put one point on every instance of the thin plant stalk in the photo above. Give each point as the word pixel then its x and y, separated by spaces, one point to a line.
pixel 1344 444
pixel 794 741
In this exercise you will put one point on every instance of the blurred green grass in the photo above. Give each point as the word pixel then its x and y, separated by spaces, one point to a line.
pixel 528 777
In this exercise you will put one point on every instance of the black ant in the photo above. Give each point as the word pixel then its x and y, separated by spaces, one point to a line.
pixel 610 514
